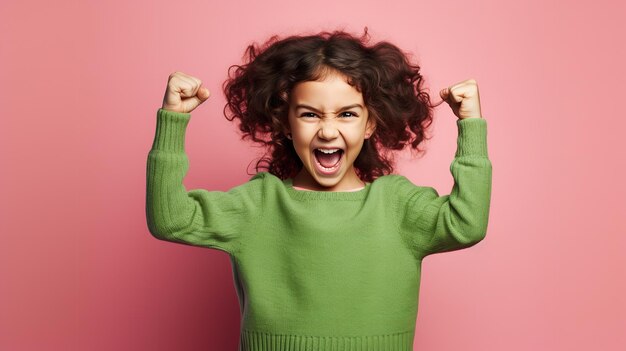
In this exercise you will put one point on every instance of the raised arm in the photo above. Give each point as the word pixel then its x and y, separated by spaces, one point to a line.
pixel 431 223
pixel 214 219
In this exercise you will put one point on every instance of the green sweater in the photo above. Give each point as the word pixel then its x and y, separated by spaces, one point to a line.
pixel 317 270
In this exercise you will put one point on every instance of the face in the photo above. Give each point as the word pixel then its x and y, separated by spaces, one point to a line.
pixel 328 114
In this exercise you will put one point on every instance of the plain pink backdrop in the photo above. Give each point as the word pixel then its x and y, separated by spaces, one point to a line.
pixel 80 85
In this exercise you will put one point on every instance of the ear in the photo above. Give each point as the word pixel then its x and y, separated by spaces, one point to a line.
pixel 285 128
pixel 370 127
pixel 287 132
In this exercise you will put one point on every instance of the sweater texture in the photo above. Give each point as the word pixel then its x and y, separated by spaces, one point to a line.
pixel 318 270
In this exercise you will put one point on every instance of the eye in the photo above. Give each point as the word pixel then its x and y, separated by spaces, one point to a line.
pixel 351 113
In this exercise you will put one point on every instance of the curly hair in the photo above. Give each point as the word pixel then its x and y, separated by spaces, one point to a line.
pixel 258 96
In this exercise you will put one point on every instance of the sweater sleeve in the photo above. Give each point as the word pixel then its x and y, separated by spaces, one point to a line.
pixel 431 223
pixel 212 219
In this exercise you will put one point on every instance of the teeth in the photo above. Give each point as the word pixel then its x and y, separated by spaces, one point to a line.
pixel 328 151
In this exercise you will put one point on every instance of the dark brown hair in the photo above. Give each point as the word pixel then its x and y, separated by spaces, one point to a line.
pixel 258 95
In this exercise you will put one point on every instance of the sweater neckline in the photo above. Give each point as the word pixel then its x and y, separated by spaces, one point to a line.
pixel 325 195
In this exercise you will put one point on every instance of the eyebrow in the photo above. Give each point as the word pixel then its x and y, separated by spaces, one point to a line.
pixel 316 110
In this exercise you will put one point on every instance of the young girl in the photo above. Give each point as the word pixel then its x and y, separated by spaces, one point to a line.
pixel 326 245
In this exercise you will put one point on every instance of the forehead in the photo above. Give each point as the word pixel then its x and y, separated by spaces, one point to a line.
pixel 332 90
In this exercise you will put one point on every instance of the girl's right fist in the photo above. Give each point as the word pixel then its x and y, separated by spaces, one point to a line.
pixel 184 93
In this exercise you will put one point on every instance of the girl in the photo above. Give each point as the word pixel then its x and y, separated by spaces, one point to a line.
pixel 326 245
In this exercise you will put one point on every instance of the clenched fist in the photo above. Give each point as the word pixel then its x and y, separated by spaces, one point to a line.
pixel 463 98
pixel 184 93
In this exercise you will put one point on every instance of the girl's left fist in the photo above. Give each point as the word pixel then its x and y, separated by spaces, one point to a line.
pixel 463 98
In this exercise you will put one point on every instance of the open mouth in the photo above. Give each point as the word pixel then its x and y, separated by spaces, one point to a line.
pixel 328 161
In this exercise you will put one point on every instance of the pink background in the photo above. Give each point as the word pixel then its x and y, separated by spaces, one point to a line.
pixel 80 86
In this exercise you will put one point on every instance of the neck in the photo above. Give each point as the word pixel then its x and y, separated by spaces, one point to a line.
pixel 350 182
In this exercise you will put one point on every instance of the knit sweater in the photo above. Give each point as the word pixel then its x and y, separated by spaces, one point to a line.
pixel 319 270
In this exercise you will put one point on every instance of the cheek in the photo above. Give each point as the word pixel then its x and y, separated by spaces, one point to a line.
pixel 356 139
pixel 302 150
pixel 356 145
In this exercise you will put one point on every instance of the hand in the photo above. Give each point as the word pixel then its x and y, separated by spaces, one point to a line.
pixel 463 98
pixel 181 85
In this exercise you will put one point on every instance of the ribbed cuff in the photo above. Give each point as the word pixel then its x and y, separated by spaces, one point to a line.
pixel 252 340
pixel 472 139
pixel 170 131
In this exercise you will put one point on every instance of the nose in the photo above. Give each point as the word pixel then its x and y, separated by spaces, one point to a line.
pixel 328 131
